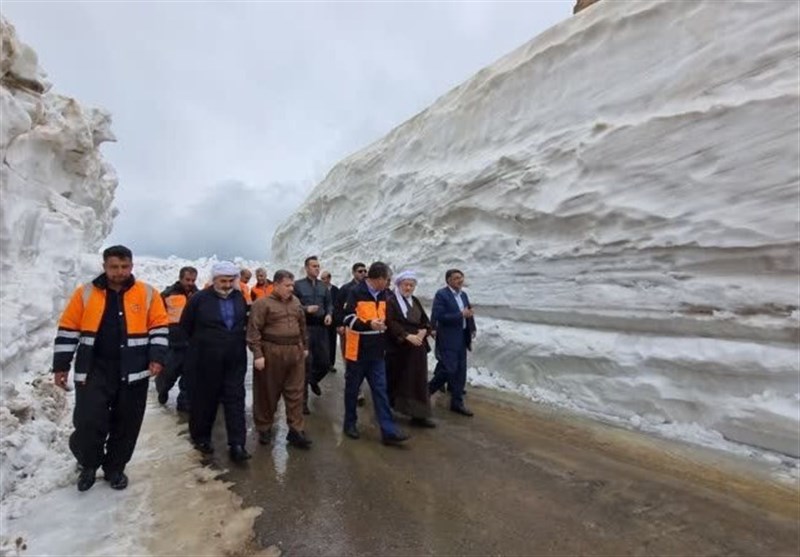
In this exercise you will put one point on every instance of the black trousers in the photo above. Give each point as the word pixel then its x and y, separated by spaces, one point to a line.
pixel 212 385
pixel 173 372
pixel 107 417
pixel 332 336
pixel 318 363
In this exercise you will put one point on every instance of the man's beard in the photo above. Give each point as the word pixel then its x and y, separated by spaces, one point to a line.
pixel 224 292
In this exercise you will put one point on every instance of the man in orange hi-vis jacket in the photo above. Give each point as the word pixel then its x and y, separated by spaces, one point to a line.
pixel 175 299
pixel 244 279
pixel 263 286
pixel 365 350
pixel 116 328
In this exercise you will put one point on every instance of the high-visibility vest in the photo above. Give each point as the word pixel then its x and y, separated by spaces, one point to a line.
pixel 261 291
pixel 366 309
pixel 245 292
pixel 144 336
pixel 174 304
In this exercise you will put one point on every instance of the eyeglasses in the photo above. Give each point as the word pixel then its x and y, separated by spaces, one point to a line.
pixel 361 270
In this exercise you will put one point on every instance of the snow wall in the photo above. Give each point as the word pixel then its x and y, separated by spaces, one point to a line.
pixel 56 193
pixel 622 194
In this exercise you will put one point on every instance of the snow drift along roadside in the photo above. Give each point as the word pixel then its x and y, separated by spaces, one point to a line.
pixel 622 192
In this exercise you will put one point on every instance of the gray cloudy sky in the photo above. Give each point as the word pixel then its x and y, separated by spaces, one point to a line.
pixel 227 114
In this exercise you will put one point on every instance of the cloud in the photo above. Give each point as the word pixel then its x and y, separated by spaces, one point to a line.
pixel 210 93
pixel 228 219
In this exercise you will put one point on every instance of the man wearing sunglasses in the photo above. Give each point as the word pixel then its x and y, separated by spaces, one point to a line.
pixel 359 271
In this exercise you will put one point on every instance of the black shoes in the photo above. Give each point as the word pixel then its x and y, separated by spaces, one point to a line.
pixel 362 400
pixel 315 388
pixel 238 453
pixel 204 447
pixel 432 391
pixel 423 422
pixel 86 479
pixel 163 397
pixel 264 437
pixel 117 480
pixel 298 439
pixel 352 431
pixel 395 440
pixel 463 410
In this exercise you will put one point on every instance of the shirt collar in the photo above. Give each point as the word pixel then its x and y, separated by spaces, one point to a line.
pixel 372 291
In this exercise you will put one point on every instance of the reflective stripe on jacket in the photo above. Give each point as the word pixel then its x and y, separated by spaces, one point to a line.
pixel 361 342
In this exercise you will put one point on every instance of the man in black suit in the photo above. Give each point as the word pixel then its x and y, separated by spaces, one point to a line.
pixel 453 319
pixel 325 277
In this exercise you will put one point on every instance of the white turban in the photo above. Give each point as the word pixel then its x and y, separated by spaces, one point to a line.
pixel 405 275
pixel 404 303
pixel 224 269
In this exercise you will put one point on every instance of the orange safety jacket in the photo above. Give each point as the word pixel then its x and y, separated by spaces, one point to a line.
pixel 361 342
pixel 144 335
pixel 261 291
pixel 245 292
pixel 175 299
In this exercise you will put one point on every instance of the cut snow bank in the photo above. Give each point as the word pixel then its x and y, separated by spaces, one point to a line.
pixel 622 193
pixel 56 192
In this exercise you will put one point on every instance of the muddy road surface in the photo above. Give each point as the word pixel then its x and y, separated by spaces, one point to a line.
pixel 516 479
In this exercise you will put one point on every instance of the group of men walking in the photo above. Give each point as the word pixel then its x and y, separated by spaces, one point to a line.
pixel 121 332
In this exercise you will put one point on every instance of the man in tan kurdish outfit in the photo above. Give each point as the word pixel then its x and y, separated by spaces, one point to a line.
pixel 276 334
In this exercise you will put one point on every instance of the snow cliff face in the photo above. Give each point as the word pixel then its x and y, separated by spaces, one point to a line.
pixel 56 193
pixel 622 194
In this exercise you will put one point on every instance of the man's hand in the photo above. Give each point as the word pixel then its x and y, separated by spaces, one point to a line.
pixel 328 320
pixel 260 363
pixel 312 309
pixel 467 313
pixel 155 368
pixel 377 325
pixel 414 339
pixel 60 379
pixel 305 353
pixel 422 333
pixel 340 330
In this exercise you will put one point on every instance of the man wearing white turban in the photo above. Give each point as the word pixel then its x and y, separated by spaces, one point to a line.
pixel 215 320
pixel 407 350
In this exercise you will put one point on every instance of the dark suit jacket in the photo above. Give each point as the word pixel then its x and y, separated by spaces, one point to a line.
pixel 334 301
pixel 446 318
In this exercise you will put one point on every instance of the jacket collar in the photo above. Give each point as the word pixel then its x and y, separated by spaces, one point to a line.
pixel 101 282
pixel 179 287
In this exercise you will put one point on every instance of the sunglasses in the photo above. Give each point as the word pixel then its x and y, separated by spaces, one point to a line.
pixel 361 270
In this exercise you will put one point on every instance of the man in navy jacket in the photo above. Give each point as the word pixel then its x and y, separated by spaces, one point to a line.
pixel 214 321
pixel 453 319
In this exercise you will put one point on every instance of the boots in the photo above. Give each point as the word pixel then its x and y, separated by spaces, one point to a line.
pixel 117 480
pixel 86 479
pixel 238 453
pixel 298 439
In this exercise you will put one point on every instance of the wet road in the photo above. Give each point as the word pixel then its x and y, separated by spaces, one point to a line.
pixel 514 480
